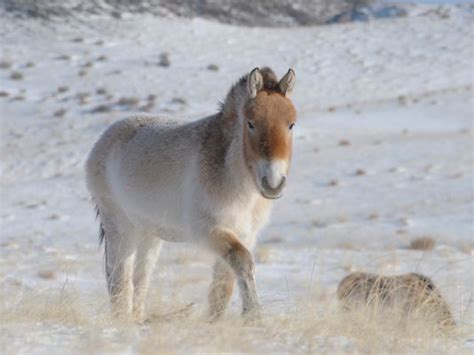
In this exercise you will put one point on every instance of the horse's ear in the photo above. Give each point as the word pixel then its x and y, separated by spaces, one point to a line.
pixel 254 83
pixel 287 83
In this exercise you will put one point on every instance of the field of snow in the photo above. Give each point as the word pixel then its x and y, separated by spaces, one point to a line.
pixel 383 154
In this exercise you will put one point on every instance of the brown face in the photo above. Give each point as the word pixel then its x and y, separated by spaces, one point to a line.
pixel 268 127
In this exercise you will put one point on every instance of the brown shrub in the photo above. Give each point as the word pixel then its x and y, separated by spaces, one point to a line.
pixel 5 64
pixel 213 67
pixel 101 109
pixel 16 75
pixel 128 101
pixel 409 294
pixel 422 243
pixel 60 113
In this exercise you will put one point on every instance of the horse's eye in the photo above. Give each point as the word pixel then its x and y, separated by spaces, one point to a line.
pixel 291 126
pixel 250 125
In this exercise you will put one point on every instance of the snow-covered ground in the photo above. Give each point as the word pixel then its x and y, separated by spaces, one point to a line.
pixel 383 155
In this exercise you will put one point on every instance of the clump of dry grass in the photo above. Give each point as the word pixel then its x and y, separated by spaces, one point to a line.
pixel 63 57
pixel 373 216
pixel 213 67
pixel 333 182
pixel 164 60
pixel 128 101
pixel 360 172
pixel 147 107
pixel 102 108
pixel 16 75
pixel 178 100
pixel 60 306
pixel 60 112
pixel 46 274
pixel 422 243
pixel 19 97
pixel 63 89
pixel 467 248
pixel 410 294
pixel 83 97
pixel 5 64
pixel 101 91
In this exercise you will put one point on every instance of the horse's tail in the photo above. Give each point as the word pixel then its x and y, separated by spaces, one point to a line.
pixel 101 226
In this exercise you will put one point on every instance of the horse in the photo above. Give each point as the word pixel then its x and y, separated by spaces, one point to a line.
pixel 208 182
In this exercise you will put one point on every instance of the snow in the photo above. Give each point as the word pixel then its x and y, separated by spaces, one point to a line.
pixel 383 154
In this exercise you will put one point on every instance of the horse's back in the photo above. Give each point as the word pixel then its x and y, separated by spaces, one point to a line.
pixel 115 142
pixel 146 167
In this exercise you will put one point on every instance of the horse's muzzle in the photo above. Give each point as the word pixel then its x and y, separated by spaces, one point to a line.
pixel 272 192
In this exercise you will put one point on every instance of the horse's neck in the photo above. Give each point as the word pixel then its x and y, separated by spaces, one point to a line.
pixel 237 174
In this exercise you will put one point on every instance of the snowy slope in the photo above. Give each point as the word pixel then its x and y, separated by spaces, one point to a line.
pixel 383 154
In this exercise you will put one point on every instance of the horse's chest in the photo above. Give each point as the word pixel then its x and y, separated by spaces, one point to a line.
pixel 243 218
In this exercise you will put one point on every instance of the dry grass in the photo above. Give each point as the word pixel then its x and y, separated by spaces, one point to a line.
pixel 5 64
pixel 164 60
pixel 63 89
pixel 58 306
pixel 60 113
pixel 102 108
pixel 128 101
pixel 314 324
pixel 409 294
pixel 16 75
pixel 422 243
pixel 213 67
pixel 360 172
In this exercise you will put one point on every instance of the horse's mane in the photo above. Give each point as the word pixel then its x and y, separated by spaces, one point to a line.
pixel 238 92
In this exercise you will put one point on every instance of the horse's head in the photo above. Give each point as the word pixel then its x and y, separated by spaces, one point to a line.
pixel 269 117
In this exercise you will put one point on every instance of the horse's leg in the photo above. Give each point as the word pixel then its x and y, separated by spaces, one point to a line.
pixel 220 291
pixel 145 260
pixel 226 244
pixel 120 250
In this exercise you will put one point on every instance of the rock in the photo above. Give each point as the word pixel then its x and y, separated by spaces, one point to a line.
pixel 164 60
pixel 407 294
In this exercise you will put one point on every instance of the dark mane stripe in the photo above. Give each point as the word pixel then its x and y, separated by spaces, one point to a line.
pixel 270 81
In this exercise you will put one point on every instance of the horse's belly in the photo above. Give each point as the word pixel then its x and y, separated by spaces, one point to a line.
pixel 151 209
pixel 155 209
